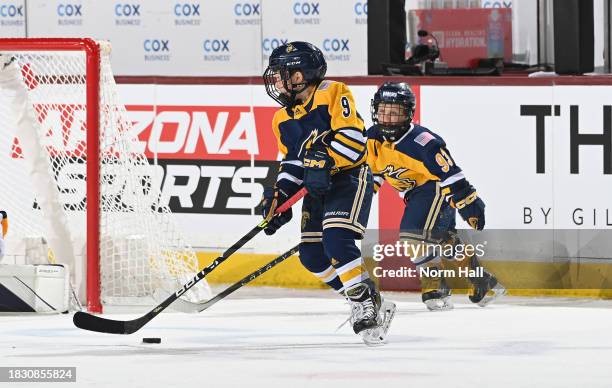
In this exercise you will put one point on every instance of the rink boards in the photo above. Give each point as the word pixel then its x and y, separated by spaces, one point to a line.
pixel 539 154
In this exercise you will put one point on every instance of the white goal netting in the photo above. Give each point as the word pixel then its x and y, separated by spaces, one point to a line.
pixel 43 173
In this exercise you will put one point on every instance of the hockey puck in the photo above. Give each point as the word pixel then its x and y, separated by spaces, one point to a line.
pixel 151 340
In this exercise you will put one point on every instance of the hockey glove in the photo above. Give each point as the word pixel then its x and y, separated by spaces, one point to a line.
pixel 470 206
pixel 317 172
pixel 272 199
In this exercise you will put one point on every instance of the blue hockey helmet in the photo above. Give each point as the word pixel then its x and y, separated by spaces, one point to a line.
pixel 398 103
pixel 284 61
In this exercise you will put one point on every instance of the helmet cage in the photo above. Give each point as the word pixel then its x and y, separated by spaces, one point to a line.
pixel 276 74
pixel 401 115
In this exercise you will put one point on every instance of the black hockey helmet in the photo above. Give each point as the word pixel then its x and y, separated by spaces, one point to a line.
pixel 287 59
pixel 394 93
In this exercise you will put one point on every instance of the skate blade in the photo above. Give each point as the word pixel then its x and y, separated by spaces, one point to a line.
pixel 498 291
pixel 378 335
pixel 439 304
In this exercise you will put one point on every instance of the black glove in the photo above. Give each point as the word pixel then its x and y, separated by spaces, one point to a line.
pixel 470 206
pixel 272 199
pixel 317 172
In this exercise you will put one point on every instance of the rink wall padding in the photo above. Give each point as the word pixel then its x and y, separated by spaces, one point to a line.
pixel 536 149
pixel 564 278
pixel 567 279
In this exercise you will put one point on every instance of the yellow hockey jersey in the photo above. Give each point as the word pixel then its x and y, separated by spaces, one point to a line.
pixel 328 116
pixel 416 158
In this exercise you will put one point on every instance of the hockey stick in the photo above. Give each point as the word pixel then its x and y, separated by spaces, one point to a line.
pixel 99 324
pixel 191 307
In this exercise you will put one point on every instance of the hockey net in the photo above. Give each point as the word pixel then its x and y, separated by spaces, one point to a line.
pixel 76 178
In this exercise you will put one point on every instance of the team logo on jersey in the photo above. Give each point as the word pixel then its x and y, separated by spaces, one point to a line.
pixel 402 184
pixel 314 138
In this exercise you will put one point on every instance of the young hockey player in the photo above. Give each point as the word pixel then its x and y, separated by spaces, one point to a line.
pixel 322 138
pixel 416 162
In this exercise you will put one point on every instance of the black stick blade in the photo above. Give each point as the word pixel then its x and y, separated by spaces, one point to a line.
pixel 90 322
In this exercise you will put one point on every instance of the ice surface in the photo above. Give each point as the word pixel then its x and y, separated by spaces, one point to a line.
pixel 287 339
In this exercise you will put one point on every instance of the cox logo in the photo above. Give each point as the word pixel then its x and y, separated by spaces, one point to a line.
pixel 270 44
pixel 187 9
pixel 11 10
pixel 69 9
pixel 336 44
pixel 305 9
pixel 497 4
pixel 123 9
pixel 216 45
pixel 246 9
pixel 361 8
pixel 156 45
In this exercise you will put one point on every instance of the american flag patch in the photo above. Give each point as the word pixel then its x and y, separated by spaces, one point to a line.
pixel 424 138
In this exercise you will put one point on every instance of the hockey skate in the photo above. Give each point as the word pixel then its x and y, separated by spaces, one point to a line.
pixel 378 335
pixel 438 300
pixel 371 316
pixel 486 290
